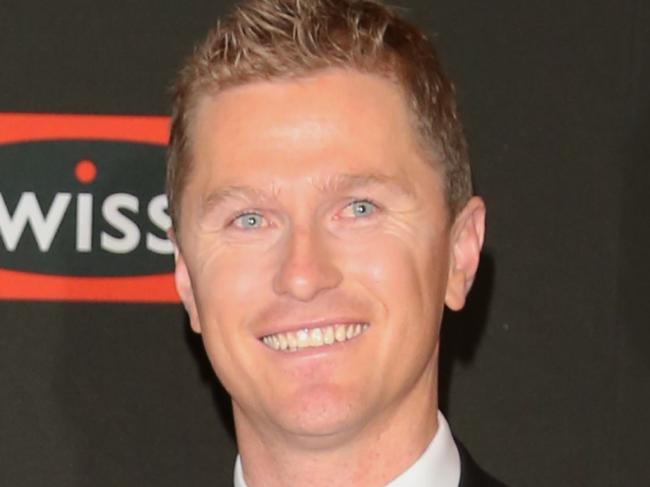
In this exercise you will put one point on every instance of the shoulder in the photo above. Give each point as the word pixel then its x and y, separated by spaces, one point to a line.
pixel 471 475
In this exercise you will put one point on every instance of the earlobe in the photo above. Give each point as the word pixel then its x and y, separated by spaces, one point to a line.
pixel 184 285
pixel 467 236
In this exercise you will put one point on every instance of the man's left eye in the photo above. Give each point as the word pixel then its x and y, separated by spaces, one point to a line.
pixel 361 208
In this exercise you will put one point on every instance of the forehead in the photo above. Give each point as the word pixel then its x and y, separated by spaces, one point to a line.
pixel 334 121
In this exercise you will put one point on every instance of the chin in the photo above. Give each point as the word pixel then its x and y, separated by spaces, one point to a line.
pixel 321 413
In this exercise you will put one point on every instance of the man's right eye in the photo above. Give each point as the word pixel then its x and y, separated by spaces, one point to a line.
pixel 249 220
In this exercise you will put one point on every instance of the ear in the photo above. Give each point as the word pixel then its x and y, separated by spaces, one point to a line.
pixel 184 284
pixel 467 235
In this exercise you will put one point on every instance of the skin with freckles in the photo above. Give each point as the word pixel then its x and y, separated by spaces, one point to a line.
pixel 311 203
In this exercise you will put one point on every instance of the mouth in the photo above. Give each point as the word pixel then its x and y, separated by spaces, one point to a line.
pixel 324 336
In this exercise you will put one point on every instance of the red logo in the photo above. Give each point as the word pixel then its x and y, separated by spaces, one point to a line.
pixel 82 211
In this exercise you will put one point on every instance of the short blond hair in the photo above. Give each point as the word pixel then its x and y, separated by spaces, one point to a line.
pixel 276 39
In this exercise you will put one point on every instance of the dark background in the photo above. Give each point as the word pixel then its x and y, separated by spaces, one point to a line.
pixel 546 375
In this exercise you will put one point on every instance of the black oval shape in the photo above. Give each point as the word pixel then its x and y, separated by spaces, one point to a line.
pixel 128 177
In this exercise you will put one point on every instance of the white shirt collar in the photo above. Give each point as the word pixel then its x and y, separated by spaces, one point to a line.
pixel 440 461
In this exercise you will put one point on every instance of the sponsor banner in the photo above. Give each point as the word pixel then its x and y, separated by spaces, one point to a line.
pixel 83 215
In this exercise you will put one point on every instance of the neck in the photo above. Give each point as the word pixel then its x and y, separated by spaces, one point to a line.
pixel 373 455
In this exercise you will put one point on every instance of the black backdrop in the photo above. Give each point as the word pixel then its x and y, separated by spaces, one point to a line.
pixel 546 375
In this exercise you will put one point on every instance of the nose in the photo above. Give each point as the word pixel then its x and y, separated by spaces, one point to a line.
pixel 306 267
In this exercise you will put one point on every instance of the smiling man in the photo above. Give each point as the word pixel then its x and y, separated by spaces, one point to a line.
pixel 323 217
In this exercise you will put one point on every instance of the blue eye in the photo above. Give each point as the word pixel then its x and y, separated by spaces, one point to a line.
pixel 362 208
pixel 249 220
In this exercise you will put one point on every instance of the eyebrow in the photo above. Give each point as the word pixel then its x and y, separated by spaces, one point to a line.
pixel 225 193
pixel 333 184
pixel 344 182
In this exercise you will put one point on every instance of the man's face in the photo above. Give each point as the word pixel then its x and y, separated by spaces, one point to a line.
pixel 315 252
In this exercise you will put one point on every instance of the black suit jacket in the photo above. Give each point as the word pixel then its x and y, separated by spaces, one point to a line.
pixel 471 475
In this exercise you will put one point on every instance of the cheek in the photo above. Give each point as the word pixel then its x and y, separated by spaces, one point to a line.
pixel 230 290
pixel 407 276
pixel 230 285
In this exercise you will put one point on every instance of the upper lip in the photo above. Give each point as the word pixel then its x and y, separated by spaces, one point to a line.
pixel 273 328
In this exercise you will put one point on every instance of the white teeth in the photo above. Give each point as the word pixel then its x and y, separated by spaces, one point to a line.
pixel 315 337
pixel 303 338
pixel 291 341
pixel 328 337
pixel 340 333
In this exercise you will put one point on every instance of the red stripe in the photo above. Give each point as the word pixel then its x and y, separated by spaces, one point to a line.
pixel 25 127
pixel 16 285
